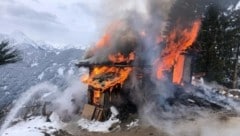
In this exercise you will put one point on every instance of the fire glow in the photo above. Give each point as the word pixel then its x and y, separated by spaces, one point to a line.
pixel 107 76
pixel 119 58
pixel 177 42
pixel 111 77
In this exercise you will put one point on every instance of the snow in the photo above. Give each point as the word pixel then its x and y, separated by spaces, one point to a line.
pixel 234 90
pixel 45 45
pixel 190 100
pixel 40 77
pixel 34 126
pixel 18 38
pixel 5 87
pixel 114 111
pixel 133 124
pixel 7 93
pixel 46 95
pixel 237 6
pixel 197 82
pixel 71 71
pixel 61 71
pixel 223 92
pixel 230 7
pixel 230 95
pixel 34 64
pixel 96 126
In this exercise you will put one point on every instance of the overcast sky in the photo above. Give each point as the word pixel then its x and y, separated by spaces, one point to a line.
pixel 64 22
pixel 55 21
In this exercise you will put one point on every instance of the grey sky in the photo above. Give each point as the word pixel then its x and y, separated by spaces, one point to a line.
pixel 64 22
pixel 61 22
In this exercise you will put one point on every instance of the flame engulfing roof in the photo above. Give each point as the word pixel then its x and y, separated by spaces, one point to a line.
pixel 120 49
pixel 104 77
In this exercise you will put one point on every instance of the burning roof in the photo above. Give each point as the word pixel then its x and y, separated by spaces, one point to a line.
pixel 117 45
pixel 122 47
pixel 128 47
pixel 104 77
pixel 178 41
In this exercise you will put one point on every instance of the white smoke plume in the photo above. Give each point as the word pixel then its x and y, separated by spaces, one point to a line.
pixel 69 102
pixel 150 17
pixel 208 124
pixel 66 103
pixel 136 18
pixel 24 99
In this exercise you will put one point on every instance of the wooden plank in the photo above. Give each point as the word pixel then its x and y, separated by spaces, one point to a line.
pixel 99 114
pixel 88 111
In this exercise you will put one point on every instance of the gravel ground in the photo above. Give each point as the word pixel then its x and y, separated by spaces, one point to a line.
pixel 137 131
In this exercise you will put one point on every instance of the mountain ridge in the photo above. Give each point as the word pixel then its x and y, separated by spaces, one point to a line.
pixel 38 65
pixel 18 39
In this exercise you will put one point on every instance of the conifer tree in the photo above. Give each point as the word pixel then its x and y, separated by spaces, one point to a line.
pixel 8 54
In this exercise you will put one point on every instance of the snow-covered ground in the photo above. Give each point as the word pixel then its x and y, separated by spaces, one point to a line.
pixel 39 126
pixel 96 126
pixel 133 124
pixel 35 126
pixel 237 6
pixel 235 93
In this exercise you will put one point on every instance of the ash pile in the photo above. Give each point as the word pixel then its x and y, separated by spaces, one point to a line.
pixel 131 74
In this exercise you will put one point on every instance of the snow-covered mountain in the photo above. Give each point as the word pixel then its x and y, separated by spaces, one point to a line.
pixel 40 62
pixel 19 39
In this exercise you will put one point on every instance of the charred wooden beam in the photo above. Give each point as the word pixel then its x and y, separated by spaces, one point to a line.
pixel 88 64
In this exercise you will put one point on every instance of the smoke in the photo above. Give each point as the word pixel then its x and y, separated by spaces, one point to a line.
pixel 126 26
pixel 207 123
pixel 161 104
pixel 69 102
pixel 48 98
pixel 119 38
pixel 197 118
pixel 146 8
pixel 210 125
pixel 24 100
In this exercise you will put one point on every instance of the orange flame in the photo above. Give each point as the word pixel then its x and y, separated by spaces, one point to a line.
pixel 106 77
pixel 105 39
pixel 177 42
pixel 178 70
pixel 102 78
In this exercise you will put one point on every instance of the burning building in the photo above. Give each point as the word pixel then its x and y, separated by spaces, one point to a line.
pixel 120 56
